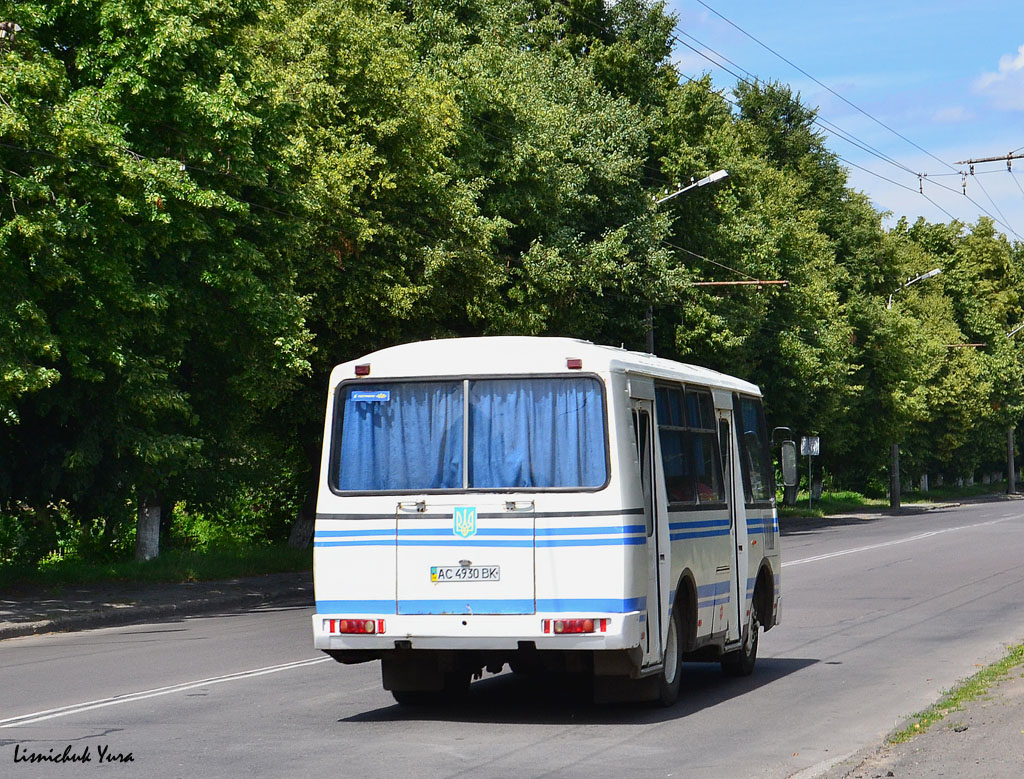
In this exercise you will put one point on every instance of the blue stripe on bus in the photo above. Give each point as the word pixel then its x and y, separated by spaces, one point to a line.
pixel 355 606
pixel 487 531
pixel 525 543
pixel 715 594
pixel 702 523
pixel 484 606
pixel 569 531
pixel 611 605
pixel 619 535
pixel 706 528
pixel 704 534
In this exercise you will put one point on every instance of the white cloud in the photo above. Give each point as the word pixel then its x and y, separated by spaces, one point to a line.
pixel 1005 88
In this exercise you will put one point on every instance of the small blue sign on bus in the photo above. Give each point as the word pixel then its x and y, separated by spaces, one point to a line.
pixel 375 396
pixel 465 521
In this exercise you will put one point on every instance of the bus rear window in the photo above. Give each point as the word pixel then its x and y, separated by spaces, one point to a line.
pixel 522 433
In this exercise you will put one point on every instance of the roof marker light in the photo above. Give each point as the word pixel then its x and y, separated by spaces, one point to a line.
pixel 363 370
pixel 574 363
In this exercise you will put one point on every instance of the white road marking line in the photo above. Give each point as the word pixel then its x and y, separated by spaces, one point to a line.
pixel 64 711
pixel 884 544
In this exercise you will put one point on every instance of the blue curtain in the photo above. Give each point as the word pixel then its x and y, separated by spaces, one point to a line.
pixel 401 437
pixel 536 433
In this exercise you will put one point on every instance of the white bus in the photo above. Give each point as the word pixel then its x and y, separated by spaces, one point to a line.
pixel 545 503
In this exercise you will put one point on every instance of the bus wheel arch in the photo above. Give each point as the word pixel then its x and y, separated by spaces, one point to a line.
pixel 764 597
pixel 685 605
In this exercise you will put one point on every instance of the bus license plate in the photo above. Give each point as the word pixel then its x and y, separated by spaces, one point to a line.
pixel 465 573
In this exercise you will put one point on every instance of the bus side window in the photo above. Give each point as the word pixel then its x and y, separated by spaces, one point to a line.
pixel 707 464
pixel 754 461
pixel 676 446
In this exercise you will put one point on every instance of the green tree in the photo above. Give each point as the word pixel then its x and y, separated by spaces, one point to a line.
pixel 157 323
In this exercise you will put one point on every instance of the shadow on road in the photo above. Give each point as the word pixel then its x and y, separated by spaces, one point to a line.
pixel 564 699
pixel 801 526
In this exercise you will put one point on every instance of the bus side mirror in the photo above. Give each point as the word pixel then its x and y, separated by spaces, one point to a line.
pixel 789 475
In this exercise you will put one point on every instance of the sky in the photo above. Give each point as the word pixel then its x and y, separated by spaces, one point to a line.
pixel 947 76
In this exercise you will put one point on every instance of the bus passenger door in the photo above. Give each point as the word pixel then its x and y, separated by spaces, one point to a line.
pixel 657 546
pixel 737 527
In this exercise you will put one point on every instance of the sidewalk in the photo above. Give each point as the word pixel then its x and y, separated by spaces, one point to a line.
pixel 985 739
pixel 92 606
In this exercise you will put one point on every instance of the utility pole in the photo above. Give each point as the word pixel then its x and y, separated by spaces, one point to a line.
pixel 1011 475
pixel 1011 472
pixel 1008 159
pixel 894 447
pixel 718 175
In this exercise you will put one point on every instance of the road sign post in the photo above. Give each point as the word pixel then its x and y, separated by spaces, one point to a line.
pixel 810 446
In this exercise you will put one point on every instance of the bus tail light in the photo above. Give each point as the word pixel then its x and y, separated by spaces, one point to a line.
pixel 360 625
pixel 584 625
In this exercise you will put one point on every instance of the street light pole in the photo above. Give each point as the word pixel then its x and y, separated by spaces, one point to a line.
pixel 718 175
pixel 1011 466
pixel 894 452
pixel 922 277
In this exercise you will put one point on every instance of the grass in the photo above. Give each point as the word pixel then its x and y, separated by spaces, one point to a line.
pixel 832 503
pixel 226 562
pixel 967 690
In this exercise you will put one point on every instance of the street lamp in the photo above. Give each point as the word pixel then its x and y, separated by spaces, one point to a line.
pixel 1011 467
pixel 894 449
pixel 718 175
pixel 922 277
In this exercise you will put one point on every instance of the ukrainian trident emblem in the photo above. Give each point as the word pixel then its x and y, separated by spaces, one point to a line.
pixel 465 521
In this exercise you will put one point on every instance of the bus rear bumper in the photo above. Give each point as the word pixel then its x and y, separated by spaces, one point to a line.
pixel 480 632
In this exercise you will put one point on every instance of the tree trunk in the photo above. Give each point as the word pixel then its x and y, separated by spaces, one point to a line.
pixel 894 477
pixel 302 530
pixel 147 532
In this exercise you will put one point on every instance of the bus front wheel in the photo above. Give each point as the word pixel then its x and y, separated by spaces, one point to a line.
pixel 671 669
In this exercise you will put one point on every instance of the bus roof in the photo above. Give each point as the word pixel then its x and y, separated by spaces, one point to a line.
pixel 504 355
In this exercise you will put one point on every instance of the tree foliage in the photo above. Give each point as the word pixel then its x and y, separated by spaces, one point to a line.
pixel 204 205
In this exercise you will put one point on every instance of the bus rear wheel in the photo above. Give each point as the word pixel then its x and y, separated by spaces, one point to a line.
pixel 740 662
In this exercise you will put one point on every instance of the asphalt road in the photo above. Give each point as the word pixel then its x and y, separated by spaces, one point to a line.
pixel 878 618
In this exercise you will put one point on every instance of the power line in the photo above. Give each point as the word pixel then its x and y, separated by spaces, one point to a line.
pixel 825 86
pixel 708 259
pixel 1015 181
pixel 990 200
pixel 819 120
pixel 852 139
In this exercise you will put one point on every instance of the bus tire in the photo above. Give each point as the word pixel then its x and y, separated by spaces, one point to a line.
pixel 672 665
pixel 740 662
